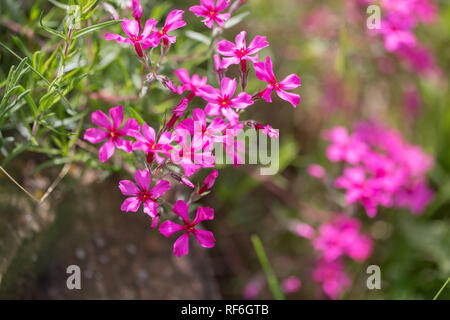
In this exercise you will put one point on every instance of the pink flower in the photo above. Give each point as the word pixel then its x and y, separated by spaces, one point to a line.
pixel 397 32
pixel 218 67
pixel 193 84
pixel 362 189
pixel 173 21
pixel 253 288
pixel 208 182
pixel 204 135
pixel 147 143
pixel 238 52
pixel 415 197
pixel 181 245
pixel 267 130
pixel 343 146
pixel 316 171
pixel 303 230
pixel 333 278
pixel 110 130
pixel 291 284
pixel 137 9
pixel 191 158
pixel 139 193
pixel 210 12
pixel 140 41
pixel 222 101
pixel 342 236
pixel 177 112
pixel 264 72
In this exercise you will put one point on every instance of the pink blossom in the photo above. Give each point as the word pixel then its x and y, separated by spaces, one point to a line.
pixel 415 197
pixel 343 146
pixel 316 171
pixel 204 135
pixel 173 21
pixel 208 182
pixel 192 84
pixel 136 9
pixel 222 101
pixel 291 284
pixel 210 12
pixel 191 158
pixel 341 237
pixel 139 193
pixel 140 41
pixel 218 67
pixel 237 52
pixel 267 130
pixel 397 32
pixel 264 72
pixel 181 245
pixel 253 288
pixel 334 279
pixel 363 190
pixel 146 141
pixel 177 112
pixel 111 131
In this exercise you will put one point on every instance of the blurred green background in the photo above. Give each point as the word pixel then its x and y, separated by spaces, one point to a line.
pixel 325 42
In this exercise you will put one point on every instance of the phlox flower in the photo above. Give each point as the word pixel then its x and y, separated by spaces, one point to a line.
pixel 191 158
pixel 208 182
pixel 210 12
pixel 181 245
pixel 204 134
pixel 173 21
pixel 415 197
pixel 397 32
pixel 140 192
pixel 264 72
pixel 344 147
pixel 341 237
pixel 136 9
pixel 267 130
pixel 237 52
pixel 192 84
pixel 333 277
pixel 140 41
pixel 110 130
pixel 146 141
pixel 177 112
pixel 222 101
pixel 363 189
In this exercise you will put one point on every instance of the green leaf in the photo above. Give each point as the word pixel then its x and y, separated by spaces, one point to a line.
pixel 50 30
pixel 95 27
pixel 235 20
pixel 198 37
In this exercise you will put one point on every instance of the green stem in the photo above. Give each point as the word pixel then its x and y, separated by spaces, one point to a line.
pixel 441 289
pixel 268 271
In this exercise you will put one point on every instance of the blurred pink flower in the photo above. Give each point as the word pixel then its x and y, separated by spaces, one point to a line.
pixel 210 12
pixel 253 288
pixel 110 130
pixel 303 230
pixel 397 31
pixel 136 9
pixel 334 279
pixel 264 72
pixel 291 284
pixel 181 245
pixel 316 171
pixel 238 51
pixel 344 147
pixel 208 182
pixel 139 193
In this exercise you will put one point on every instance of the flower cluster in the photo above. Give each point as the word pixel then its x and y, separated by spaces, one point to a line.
pixel 382 169
pixel 339 238
pixel 401 17
pixel 185 142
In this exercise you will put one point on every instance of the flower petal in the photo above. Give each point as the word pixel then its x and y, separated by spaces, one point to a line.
pixel 168 228
pixel 106 151
pixel 228 87
pixel 128 188
pixel 181 209
pixel 292 98
pixel 143 179
pixel 203 213
pixel 205 238
pixel 130 27
pixel 181 246
pixel 160 188
pixel 101 119
pixel 131 204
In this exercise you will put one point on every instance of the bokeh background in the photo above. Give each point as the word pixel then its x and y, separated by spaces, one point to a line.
pixel 347 76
